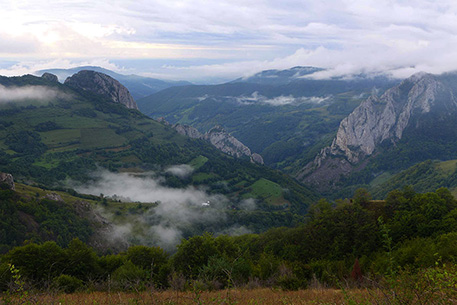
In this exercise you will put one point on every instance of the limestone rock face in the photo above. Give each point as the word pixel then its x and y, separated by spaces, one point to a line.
pixel 50 77
pixel 189 131
pixel 220 139
pixel 102 84
pixel 379 119
pixel 256 158
pixel 226 143
pixel 8 180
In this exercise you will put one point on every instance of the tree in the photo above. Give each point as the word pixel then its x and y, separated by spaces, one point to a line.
pixel 193 254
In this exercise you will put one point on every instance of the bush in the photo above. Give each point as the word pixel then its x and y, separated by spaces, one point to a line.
pixel 67 283
pixel 129 277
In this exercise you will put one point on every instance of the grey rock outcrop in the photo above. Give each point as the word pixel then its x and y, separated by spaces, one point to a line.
pixel 50 77
pixel 220 139
pixel 8 180
pixel 54 197
pixel 188 131
pixel 102 84
pixel 256 158
pixel 226 143
pixel 375 120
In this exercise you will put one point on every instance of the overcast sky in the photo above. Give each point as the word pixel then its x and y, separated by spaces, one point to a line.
pixel 219 40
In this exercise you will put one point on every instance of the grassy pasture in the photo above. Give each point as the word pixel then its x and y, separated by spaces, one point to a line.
pixel 272 192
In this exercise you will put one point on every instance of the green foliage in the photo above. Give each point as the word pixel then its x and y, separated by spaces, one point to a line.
pixel 46 126
pixel 67 283
pixel 81 261
pixel 25 142
pixel 194 253
pixel 129 276
pixel 32 218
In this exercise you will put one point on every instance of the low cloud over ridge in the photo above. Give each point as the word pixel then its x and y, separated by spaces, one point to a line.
pixel 40 93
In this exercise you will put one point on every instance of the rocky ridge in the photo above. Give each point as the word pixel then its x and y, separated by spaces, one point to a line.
pixel 375 120
pixel 220 139
pixel 102 84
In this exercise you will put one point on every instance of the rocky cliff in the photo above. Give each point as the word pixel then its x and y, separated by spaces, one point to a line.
pixel 221 139
pixel 226 143
pixel 7 180
pixel 102 84
pixel 376 120
pixel 188 131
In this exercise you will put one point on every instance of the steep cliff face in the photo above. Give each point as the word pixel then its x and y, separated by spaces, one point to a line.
pixel 220 139
pixel 102 84
pixel 226 143
pixel 376 120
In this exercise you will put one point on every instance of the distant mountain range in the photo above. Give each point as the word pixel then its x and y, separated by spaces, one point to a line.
pixel 284 115
pixel 139 86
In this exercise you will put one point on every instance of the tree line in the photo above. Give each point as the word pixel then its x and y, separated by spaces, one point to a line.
pixel 346 240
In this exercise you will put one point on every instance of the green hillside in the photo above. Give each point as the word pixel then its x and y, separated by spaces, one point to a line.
pixel 423 177
pixel 70 134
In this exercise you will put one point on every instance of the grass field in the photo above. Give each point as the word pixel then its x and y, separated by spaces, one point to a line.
pixel 270 191
pixel 263 296
pixel 447 167
pixel 198 162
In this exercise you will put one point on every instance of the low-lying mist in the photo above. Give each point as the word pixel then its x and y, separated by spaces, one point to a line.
pixel 39 93
pixel 176 212
pixel 281 100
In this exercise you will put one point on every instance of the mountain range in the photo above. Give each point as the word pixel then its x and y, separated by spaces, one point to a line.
pixel 333 136
pixel 286 116
pixel 139 86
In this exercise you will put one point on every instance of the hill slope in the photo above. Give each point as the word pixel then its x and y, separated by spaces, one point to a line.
pixel 62 133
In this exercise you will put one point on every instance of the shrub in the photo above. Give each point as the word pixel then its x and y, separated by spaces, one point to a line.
pixel 129 277
pixel 67 283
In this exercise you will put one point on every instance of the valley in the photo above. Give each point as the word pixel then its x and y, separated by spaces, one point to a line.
pixel 95 181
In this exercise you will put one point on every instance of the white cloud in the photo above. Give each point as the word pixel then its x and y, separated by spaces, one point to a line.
pixel 282 100
pixel 177 209
pixel 243 37
pixel 40 93
pixel 181 170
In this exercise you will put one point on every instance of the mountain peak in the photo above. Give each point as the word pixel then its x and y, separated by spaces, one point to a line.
pixel 380 119
pixel 102 84
pixel 50 77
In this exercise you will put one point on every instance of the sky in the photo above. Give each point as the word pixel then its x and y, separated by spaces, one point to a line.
pixel 206 41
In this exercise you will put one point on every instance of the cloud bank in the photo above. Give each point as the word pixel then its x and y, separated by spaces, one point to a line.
pixel 200 40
